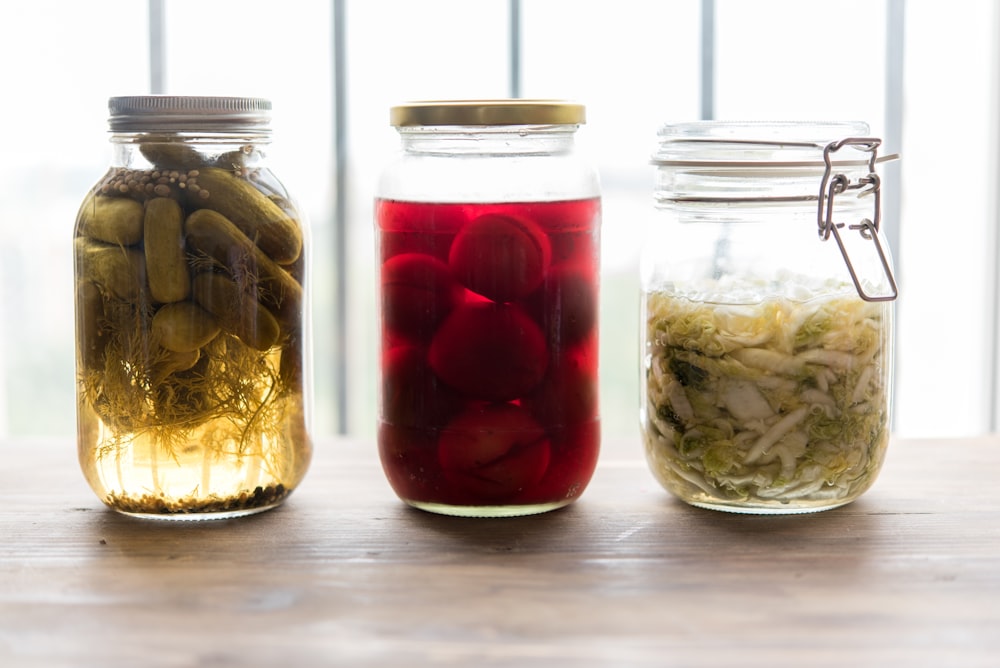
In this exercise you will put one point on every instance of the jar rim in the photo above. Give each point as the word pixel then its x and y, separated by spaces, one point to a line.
pixel 755 143
pixel 794 130
pixel 189 113
pixel 507 111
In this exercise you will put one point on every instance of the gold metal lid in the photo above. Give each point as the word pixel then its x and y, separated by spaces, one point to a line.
pixel 512 111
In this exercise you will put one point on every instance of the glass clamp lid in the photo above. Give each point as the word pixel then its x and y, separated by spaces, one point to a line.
pixel 753 163
pixel 836 183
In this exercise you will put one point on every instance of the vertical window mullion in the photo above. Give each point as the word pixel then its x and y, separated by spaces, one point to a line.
pixel 993 300
pixel 339 250
pixel 892 142
pixel 707 60
pixel 893 114
pixel 157 48
pixel 515 48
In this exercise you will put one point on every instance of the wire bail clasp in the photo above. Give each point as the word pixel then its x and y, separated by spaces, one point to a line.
pixel 868 185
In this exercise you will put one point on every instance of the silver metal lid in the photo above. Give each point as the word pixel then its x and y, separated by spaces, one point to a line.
pixel 179 113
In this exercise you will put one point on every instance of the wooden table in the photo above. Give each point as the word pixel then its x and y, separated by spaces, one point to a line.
pixel 344 574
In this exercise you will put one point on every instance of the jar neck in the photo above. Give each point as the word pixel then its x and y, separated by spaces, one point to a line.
pixel 509 140
pixel 137 149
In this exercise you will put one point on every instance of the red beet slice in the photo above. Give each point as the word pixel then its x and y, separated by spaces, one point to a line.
pixel 575 452
pixel 500 257
pixel 568 395
pixel 489 351
pixel 566 305
pixel 418 291
pixel 412 395
pixel 494 451
pixel 398 243
pixel 409 460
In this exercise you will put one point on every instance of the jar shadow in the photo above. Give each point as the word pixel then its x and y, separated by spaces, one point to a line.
pixel 176 540
pixel 550 532
pixel 800 542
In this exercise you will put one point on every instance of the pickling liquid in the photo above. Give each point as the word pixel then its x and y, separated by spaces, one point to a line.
pixel 202 467
pixel 191 379
pixel 489 358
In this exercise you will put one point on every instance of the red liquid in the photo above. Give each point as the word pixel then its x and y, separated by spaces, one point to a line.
pixel 489 351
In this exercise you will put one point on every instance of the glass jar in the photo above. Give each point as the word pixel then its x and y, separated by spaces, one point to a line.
pixel 193 385
pixel 488 235
pixel 767 328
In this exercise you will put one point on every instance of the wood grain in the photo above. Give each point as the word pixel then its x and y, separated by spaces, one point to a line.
pixel 344 574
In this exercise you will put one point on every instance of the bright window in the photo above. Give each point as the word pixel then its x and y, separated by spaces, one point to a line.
pixel 924 75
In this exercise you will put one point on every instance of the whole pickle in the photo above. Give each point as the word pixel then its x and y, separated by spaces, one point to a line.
pixel 91 336
pixel 183 327
pixel 115 220
pixel 171 155
pixel 166 260
pixel 237 312
pixel 260 219
pixel 211 233
pixel 120 271
pixel 168 362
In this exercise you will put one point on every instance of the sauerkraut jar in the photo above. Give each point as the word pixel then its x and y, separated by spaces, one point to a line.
pixel 767 316
pixel 488 231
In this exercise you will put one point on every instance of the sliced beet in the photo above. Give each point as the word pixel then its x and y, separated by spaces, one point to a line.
pixel 409 460
pixel 568 395
pixel 494 451
pixel 489 351
pixel 418 291
pixel 575 451
pixel 566 304
pixel 500 257
pixel 412 395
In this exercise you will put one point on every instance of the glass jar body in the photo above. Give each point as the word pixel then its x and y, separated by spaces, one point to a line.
pixel 766 378
pixel 193 381
pixel 488 245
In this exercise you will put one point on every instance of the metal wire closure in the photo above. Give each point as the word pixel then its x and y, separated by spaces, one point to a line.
pixel 869 185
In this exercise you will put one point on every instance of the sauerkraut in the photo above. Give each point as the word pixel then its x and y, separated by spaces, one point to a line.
pixel 775 406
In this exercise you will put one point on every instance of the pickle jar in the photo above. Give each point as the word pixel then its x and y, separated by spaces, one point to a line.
pixel 487 233
pixel 767 316
pixel 190 266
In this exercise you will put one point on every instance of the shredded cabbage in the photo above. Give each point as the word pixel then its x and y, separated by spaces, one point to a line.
pixel 776 406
